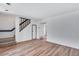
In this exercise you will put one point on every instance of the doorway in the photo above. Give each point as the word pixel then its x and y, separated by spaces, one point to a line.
pixel 34 31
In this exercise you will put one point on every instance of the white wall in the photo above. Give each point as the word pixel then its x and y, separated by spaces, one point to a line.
pixel 64 29
pixel 25 34
pixel 7 22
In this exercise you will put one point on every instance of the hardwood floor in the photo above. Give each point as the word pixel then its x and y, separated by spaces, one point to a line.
pixel 38 48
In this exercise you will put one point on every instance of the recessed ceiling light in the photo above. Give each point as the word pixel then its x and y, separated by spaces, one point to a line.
pixel 6 10
pixel 8 3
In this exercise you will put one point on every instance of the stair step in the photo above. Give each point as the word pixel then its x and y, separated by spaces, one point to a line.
pixel 7 41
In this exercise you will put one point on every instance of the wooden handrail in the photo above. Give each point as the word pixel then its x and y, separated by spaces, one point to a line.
pixel 24 24
pixel 7 30
pixel 14 27
pixel 23 21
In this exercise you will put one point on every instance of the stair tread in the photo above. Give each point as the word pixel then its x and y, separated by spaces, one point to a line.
pixel 4 42
pixel 7 42
pixel 7 39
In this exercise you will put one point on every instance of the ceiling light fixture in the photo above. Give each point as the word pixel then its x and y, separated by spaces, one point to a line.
pixel 5 6
pixel 8 3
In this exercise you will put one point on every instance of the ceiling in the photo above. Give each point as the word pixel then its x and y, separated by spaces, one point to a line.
pixel 40 10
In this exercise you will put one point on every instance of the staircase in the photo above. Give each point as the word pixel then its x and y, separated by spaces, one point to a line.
pixel 11 40
pixel 7 41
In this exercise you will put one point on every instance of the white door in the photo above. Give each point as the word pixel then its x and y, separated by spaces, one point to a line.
pixel 34 31
pixel 43 31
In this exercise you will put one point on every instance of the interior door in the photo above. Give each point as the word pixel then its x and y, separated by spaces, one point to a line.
pixel 34 31
pixel 43 31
